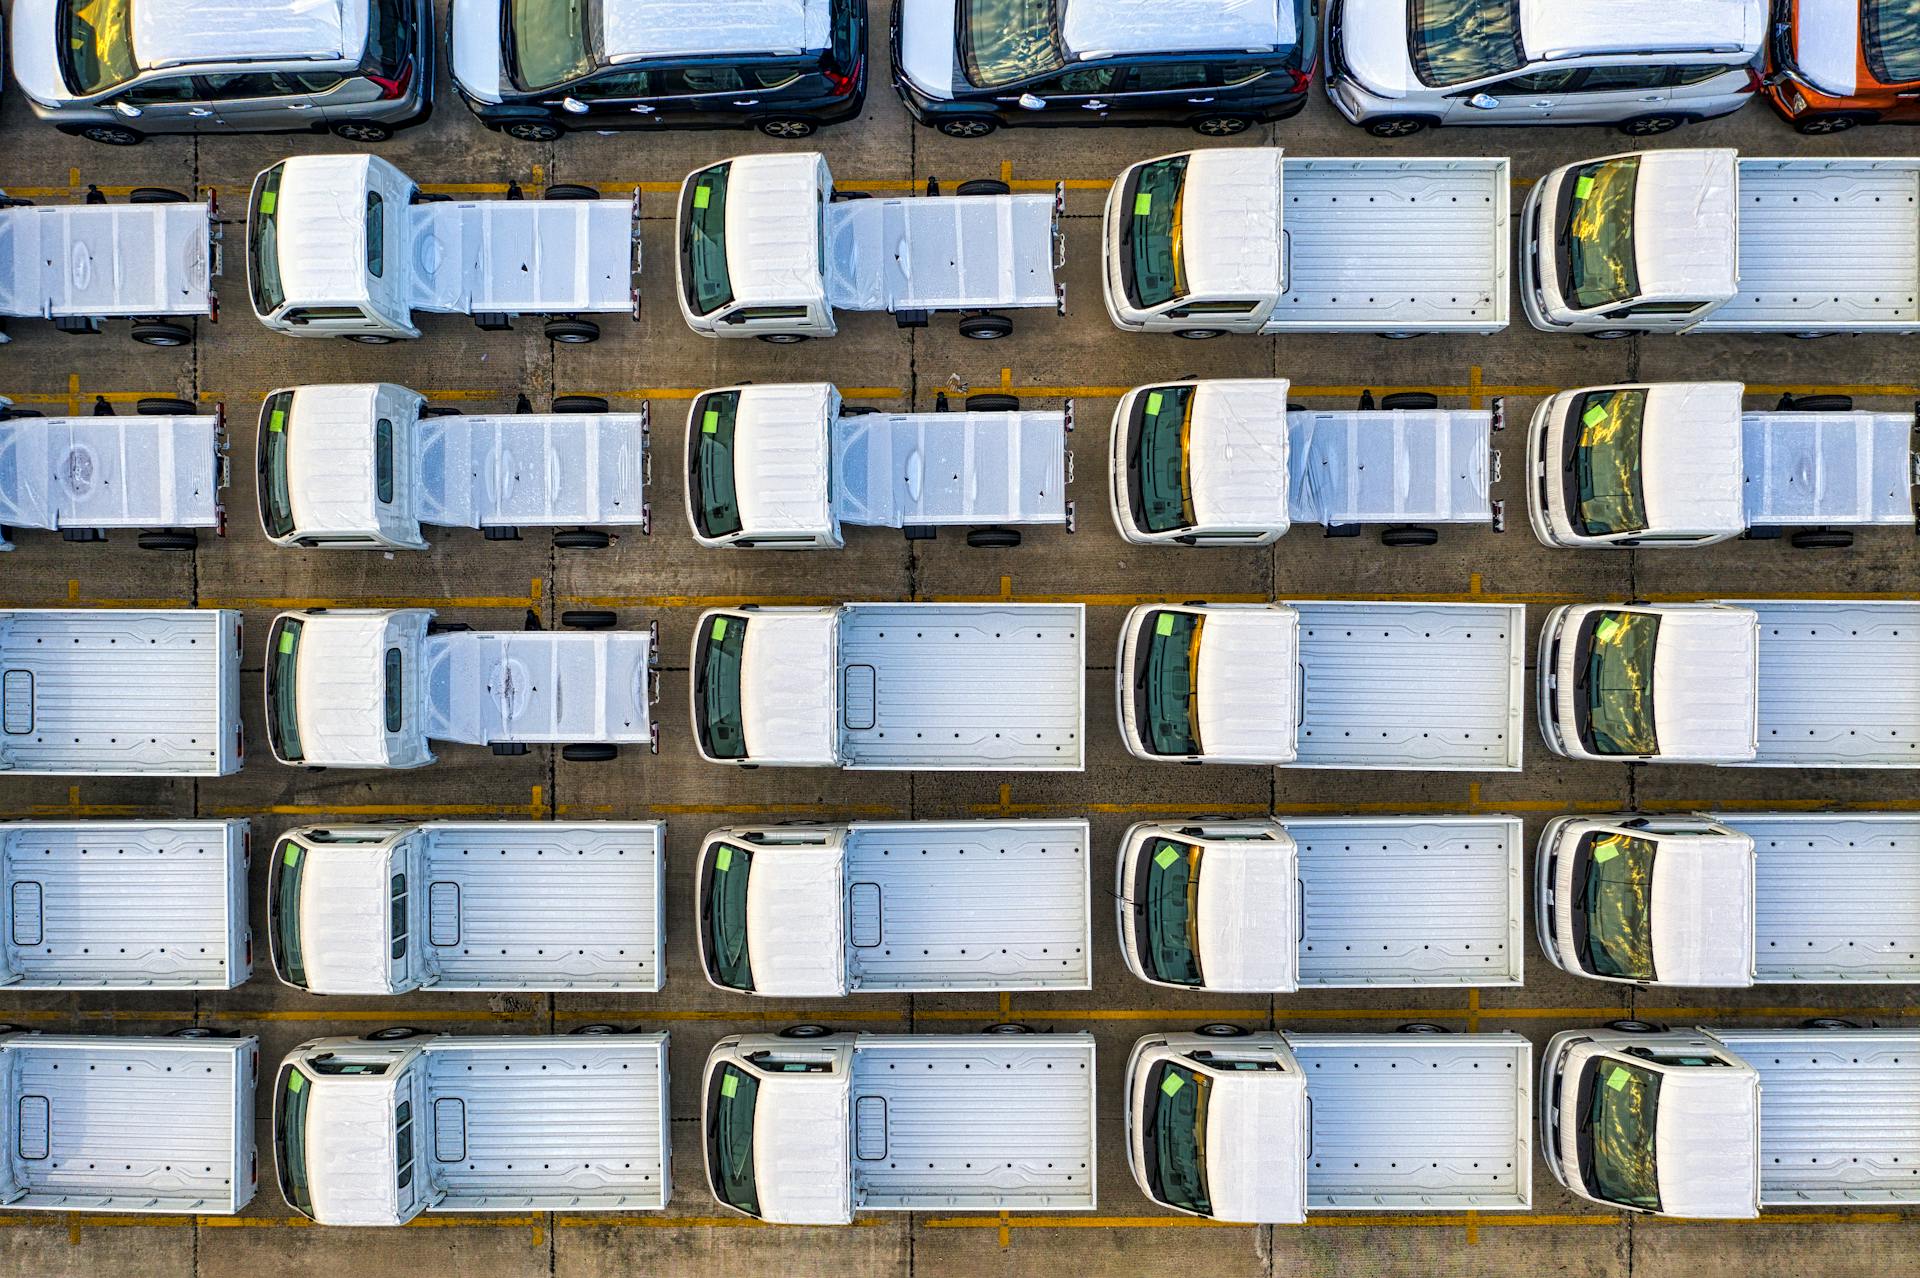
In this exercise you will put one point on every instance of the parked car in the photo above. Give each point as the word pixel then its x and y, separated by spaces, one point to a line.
pixel 1645 65
pixel 1217 66
pixel 535 69
pixel 117 71
pixel 1832 64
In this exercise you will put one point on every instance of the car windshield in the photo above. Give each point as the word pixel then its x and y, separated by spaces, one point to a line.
pixel 1157 480
pixel 1150 249
pixel 1602 464
pixel 283 912
pixel 723 917
pixel 290 1138
pixel 1614 899
pixel 1167 682
pixel 1621 1127
pixel 550 42
pixel 263 243
pixel 730 1138
pixel 276 502
pixel 283 665
pixel 716 687
pixel 703 248
pixel 1454 41
pixel 97 51
pixel 1002 41
pixel 716 506
pixel 1176 1137
pixel 1890 38
pixel 1165 913
pixel 1613 682
pixel 1596 237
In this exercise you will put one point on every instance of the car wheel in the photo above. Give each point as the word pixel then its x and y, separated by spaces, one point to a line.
pixel 1396 126
pixel 160 333
pixel 1221 126
pixel 111 135
pixel 1198 334
pixel 1647 126
pixel 1610 334
pixel 532 131
pixel 370 339
pixel 362 131
pixel 572 332
pixel 787 127
pixel 967 126
pixel 1820 125
pixel 985 328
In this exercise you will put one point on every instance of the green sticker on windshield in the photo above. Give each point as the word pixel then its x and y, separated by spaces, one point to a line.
pixel 703 195
pixel 710 421
pixel 1594 415
pixel 723 860
pixel 277 422
pixel 719 629
pixel 1143 204
pixel 292 855
pixel 1166 857
pixel 1605 853
pixel 1172 1083
pixel 296 1081
pixel 1583 188
pixel 730 1083
pixel 1606 628
pixel 1153 404
pixel 286 641
pixel 267 200
pixel 1163 625
pixel 1618 1079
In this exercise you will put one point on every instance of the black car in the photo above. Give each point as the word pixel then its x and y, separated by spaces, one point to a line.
pixel 535 69
pixel 968 67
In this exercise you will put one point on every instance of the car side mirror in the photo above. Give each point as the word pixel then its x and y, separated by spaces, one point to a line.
pixel 1483 102
pixel 573 106
pixel 127 109
pixel 1031 102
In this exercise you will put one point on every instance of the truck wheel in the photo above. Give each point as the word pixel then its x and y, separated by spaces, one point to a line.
pixel 590 752
pixel 508 749
pixel 1647 126
pixel 112 135
pixel 501 532
pixel 1396 126
pixel 1221 1029
pixel 1411 401
pixel 782 339
pixel 983 186
pixel 157 407
pixel 1829 1022
pixel 532 131
pixel 155 195
pixel 1816 403
pixel 993 403
pixel 805 1031
pixel 1422 1027
pixel 168 541
pixel 161 333
pixel 579 404
pixel 571 191
pixel 788 126
pixel 1197 334
pixel 370 339
pixel 582 539
pixel 589 619
pixel 1820 125
pixel 993 538
pixel 967 126
pixel 572 332
pixel 392 1034
pixel 1008 1027
pixel 1822 539
pixel 598 1030
pixel 1637 1027
pixel 985 328
pixel 1409 535
pixel 1221 126
pixel 191 1031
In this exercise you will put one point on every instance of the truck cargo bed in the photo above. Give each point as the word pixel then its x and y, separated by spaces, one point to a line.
pixel 963 686
pixel 540 687
pixel 1411 1122
pixel 1385 467
pixel 523 257
pixel 1395 245
pixel 974 1122
pixel 105 260
pixel 533 470
pixel 1839 1114
pixel 540 1126
pixel 1836 897
pixel 535 905
pixel 1839 684
pixel 1413 902
pixel 111 472
pixel 893 470
pixel 941 253
pixel 1828 468
pixel 968 905
pixel 1372 699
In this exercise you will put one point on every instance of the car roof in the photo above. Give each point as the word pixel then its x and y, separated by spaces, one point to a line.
pixel 1104 28
pixel 634 30
pixel 173 33
pixel 1551 30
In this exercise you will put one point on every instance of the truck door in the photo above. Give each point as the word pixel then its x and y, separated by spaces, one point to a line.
pixel 1522 99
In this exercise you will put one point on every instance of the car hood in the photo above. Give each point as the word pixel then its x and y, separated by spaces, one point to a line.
pixel 473 38
pixel 34 52
pixel 1373 46
pixel 1826 46
pixel 927 52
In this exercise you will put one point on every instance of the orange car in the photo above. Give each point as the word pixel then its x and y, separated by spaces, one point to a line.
pixel 1832 64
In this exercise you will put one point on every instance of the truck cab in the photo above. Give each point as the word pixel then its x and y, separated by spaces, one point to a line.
pixel 747 266
pixel 315 270
pixel 766 686
pixel 1192 243
pixel 318 717
pixel 337 467
pixel 1210 906
pixel 345 1117
pixel 774 924
pixel 1202 463
pixel 1211 683
pixel 340 921
pixel 777 1122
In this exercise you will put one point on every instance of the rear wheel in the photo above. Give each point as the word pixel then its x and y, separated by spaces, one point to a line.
pixel 572 332
pixel 1409 535
pixel 590 752
pixel 1637 1027
pixel 154 406
pixel 571 191
pixel 994 538
pixel 191 1031
pixel 1396 126
pixel 967 126
pixel 805 1031
pixel 1647 126
pixel 1816 403
pixel 370 339
pixel 532 130
pixel 994 403
pixel 597 1030
pixel 1422 1027
pixel 1412 401
pixel 985 328
pixel 1829 1023
pixel 1610 334
pixel 1197 334
pixel 1221 1029
pixel 1820 125
pixel 161 333
pixel 579 404
pixel 392 1034
pixel 362 131
pixel 112 135
pixel 1822 539
pixel 983 186
pixel 782 339
pixel 1221 126
pixel 582 539
pixel 1008 1027
pixel 155 195
pixel 168 541
pixel 589 619
pixel 788 126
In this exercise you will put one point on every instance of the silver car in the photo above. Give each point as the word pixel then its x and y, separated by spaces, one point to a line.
pixel 116 71
pixel 1399 66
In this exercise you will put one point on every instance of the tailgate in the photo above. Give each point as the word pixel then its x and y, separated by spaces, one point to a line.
pixel 894 470
pixel 1385 467
pixel 1828 468
pixel 941 253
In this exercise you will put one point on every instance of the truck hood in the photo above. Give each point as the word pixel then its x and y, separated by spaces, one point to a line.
pixel 350 1154
pixel 1706 685
pixel 1686 224
pixel 1256 1148
pixel 1237 454
pixel 780 457
pixel 342 701
pixel 1247 916
pixel 927 54
pixel 796 912
pixel 773 229
pixel 788 683
pixel 1230 214
pixel 1374 46
pixel 1249 685
pixel 473 41
pixel 1707 1147
pixel 35 62
pixel 1826 46
pixel 344 921
pixel 1691 471
pixel 802 1150
pixel 1702 921
pixel 1562 28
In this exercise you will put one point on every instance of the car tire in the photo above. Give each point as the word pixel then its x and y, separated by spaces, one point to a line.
pixel 532 131
pixel 581 539
pixel 788 126
pixel 168 541
pixel 361 131
pixel 570 191
pixel 162 333
pixel 994 403
pixel 155 407
pixel 590 752
pixel 112 135
pixel 572 332
pixel 1821 125
pixel 579 404
pixel 1650 126
pixel 1222 126
pixel 983 186
pixel 155 195
pixel 370 339
pixel 967 126
pixel 782 339
pixel 1396 126
pixel 985 328
pixel 1197 334
pixel 589 619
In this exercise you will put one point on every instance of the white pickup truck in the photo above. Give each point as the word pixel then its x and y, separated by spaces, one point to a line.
pixel 125 905
pixel 893 686
pixel 1718 1123
pixel 896 907
pixel 1264 1128
pixel 769 249
pixel 1346 684
pixel 348 246
pixel 364 467
pixel 377 1129
pixel 120 692
pixel 807 1127
pixel 161 470
pixel 151 260
pixel 1239 240
pixel 468 905
pixel 1274 906
pixel 376 687
pixel 1680 464
pixel 1732 899
pixel 1701 241
pixel 788 467
pixel 99 1123
pixel 1767 683
pixel 1229 462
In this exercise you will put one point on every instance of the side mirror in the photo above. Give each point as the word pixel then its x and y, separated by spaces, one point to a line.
pixel 573 106
pixel 1031 102
pixel 1483 102
pixel 127 109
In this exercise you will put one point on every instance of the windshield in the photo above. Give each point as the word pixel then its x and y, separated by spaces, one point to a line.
pixel 263 243
pixel 723 917
pixel 1002 41
pixel 716 688
pixel 283 664
pixel 1613 663
pixel 276 502
pixel 1613 901
pixel 1175 1135
pixel 716 508
pixel 283 912
pixel 703 248
pixel 290 1099
pixel 1890 37
pixel 1166 682
pixel 1166 913
pixel 1150 250
pixel 1454 41
pixel 1158 487
pixel 730 1138
pixel 1602 464
pixel 97 51
pixel 549 42
pixel 1617 1151
pixel 1596 235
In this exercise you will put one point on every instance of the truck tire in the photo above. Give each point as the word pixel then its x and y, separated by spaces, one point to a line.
pixel 782 339
pixel 805 1031
pixel 985 328
pixel 993 538
pixel 983 186
pixel 579 404
pixel 599 1029
pixel 1421 1027
pixel 589 619
pixel 967 126
pixel 581 539
pixel 1829 1023
pixel 392 1034
pixel 572 332
pixel 590 752
pixel 1409 535
pixel 168 540
pixel 1197 334
pixel 993 403
pixel 840 197
pixel 1222 1029
pixel 155 195
pixel 1009 1027
pixel 1411 401
pixel 161 333
pixel 1630 1026
pixel 158 407
pixel 1816 403
pixel 1822 539
pixel 571 191
pixel 191 1031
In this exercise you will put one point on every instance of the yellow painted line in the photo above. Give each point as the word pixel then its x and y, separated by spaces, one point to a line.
pixel 780 1015
pixel 386 1016
pixel 773 809
pixel 632 1220
pixel 1331 1222
pixel 689 392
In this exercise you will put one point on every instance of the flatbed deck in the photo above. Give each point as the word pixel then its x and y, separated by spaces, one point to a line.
pixel 539 688
pixel 893 470
pixel 534 470
pixel 111 472
pixel 1836 896
pixel 1806 469
pixel 1430 466
pixel 523 257
pixel 106 260
pixel 941 253
pixel 1839 684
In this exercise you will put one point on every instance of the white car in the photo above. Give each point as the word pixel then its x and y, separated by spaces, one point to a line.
pixel 1398 66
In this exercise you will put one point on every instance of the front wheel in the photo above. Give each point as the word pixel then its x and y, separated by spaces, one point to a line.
pixel 1821 125
pixel 1221 126
pixel 788 127
pixel 532 131
pixel 362 131
pixel 1610 334
pixel 370 339
pixel 781 339
pixel 1396 126
pixel 985 328
pixel 572 332
pixel 1197 334
pixel 1647 126
pixel 967 126
pixel 112 135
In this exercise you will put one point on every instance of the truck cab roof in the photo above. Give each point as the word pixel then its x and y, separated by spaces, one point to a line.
pixel 1701 910
pixel 1705 685
pixel 795 921
pixel 1686 224
pixel 1691 447
pixel 773 245
pixel 330 457
pixel 319 219
pixel 1551 30
pixel 1244 910
pixel 1248 684
pixel 1230 220
pixel 1253 1152
pixel 779 455
pixel 783 687
pixel 348 1143
pixel 802 1137
pixel 342 721
pixel 343 916
pixel 1705 1169
pixel 1233 451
